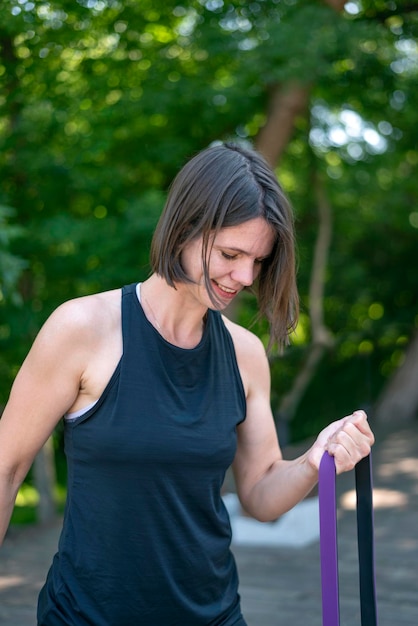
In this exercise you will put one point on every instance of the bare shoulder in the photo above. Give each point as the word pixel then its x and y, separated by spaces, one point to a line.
pixel 251 355
pixel 243 338
pixel 87 314
pixel 67 367
pixel 75 351
pixel 87 330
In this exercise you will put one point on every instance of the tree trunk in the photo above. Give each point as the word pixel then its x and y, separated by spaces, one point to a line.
pixel 399 400
pixel 286 103
pixel 337 5
pixel 322 338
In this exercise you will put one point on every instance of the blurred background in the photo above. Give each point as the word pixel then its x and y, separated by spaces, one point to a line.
pixel 103 101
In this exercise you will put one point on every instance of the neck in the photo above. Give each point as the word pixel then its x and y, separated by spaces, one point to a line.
pixel 178 320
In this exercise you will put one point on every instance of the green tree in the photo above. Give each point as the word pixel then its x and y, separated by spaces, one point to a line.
pixel 102 101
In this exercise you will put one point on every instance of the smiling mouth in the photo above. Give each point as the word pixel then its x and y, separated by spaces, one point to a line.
pixel 227 290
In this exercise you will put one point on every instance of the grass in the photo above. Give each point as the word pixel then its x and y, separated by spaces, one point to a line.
pixel 25 510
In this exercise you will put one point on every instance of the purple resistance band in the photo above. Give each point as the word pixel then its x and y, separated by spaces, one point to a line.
pixel 329 543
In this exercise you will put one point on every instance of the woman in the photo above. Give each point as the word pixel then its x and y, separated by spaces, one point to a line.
pixel 161 394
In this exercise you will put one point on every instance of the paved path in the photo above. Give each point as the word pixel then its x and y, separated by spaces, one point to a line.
pixel 281 585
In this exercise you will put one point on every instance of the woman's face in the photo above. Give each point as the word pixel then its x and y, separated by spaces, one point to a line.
pixel 236 254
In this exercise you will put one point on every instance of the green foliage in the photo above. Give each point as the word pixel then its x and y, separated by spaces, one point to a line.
pixel 102 101
pixel 11 266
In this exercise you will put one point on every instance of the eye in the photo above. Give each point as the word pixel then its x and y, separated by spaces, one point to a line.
pixel 261 261
pixel 229 257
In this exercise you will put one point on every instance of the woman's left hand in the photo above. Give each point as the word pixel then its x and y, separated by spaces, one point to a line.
pixel 348 440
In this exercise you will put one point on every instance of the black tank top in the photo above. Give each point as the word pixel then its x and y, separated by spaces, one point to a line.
pixel 146 536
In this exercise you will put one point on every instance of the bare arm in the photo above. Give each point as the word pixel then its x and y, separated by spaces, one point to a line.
pixel 267 485
pixel 54 375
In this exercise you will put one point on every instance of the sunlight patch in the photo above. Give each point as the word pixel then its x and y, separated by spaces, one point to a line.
pixel 382 499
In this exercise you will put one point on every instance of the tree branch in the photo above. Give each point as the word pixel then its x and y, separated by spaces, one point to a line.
pixel 285 104
pixel 322 338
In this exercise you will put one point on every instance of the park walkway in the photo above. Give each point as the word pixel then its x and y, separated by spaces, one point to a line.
pixel 281 585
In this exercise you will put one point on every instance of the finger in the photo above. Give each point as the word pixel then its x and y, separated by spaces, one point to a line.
pixel 359 419
pixel 354 445
pixel 342 440
pixel 348 446
pixel 343 460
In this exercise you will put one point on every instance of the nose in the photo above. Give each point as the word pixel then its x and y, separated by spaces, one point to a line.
pixel 244 273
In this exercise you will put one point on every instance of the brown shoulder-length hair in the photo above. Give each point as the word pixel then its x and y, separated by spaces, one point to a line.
pixel 226 185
